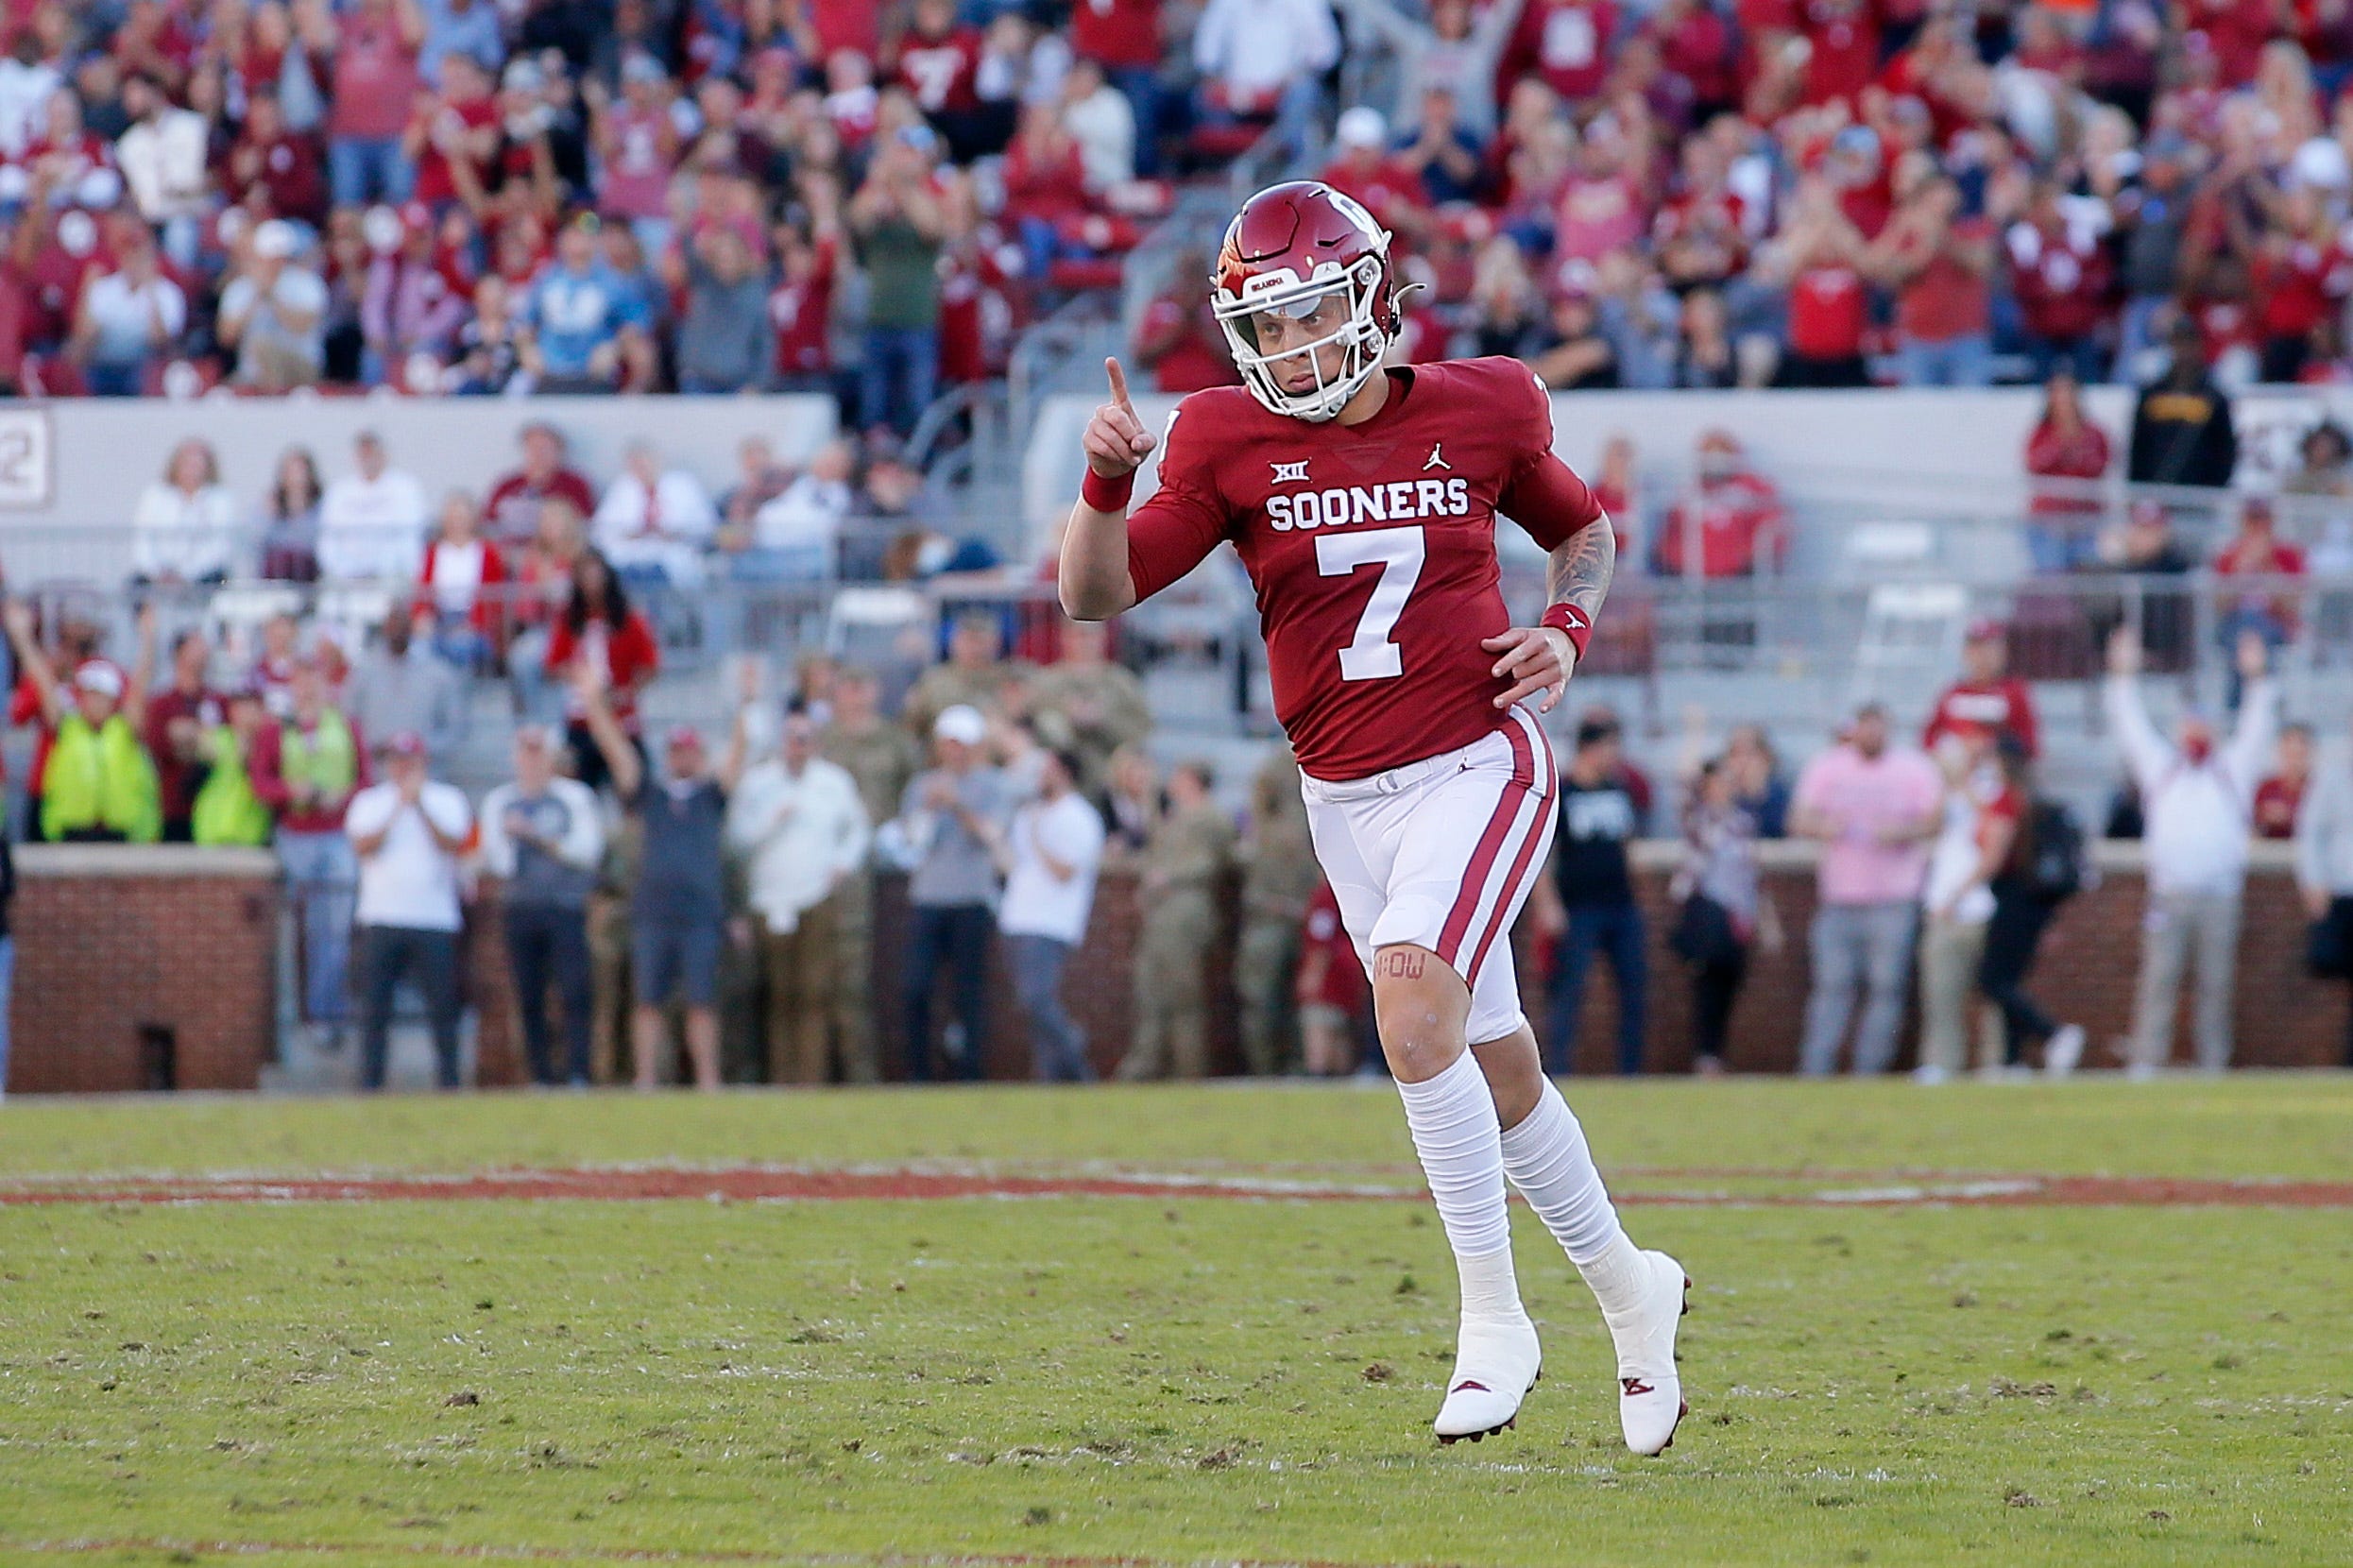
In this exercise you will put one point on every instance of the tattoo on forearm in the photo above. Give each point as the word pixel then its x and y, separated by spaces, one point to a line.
pixel 1581 568
pixel 1402 963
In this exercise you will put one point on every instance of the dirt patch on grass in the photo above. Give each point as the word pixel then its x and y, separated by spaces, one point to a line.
pixel 762 1183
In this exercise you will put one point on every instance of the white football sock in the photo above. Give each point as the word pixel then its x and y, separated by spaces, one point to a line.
pixel 1452 1117
pixel 1548 1160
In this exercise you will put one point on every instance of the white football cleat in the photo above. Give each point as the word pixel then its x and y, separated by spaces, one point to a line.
pixel 2064 1051
pixel 1496 1363
pixel 1650 1390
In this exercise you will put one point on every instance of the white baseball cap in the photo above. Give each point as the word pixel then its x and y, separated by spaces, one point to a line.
pixel 962 723
pixel 1361 127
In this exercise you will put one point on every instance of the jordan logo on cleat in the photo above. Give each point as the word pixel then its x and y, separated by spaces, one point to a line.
pixel 1633 1385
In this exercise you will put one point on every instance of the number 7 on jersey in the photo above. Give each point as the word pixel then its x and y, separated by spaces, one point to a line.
pixel 1398 551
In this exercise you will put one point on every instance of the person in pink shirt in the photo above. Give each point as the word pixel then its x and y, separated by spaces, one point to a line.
pixel 1873 811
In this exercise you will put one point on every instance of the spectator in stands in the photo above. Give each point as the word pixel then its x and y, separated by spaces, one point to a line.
pixel 599 627
pixel 797 825
pixel 2323 873
pixel 2061 274
pixel 462 588
pixel 1453 53
pixel 974 674
pixel 2281 796
pixel 128 321
pixel 398 688
pixel 1049 855
pixel 273 313
pixel 491 346
pixel 289 520
pixel 2257 550
pixel 1731 523
pixel 947 824
pixel 2197 799
pixel 1575 354
pixel 2023 904
pixel 1086 702
pixel 759 480
pixel 178 718
pixel 514 503
pixel 1986 698
pixel 900 225
pixel 1102 121
pixel 1178 338
pixel 800 307
pixel 273 166
pixel 2181 427
pixel 725 343
pixel 1587 905
pixel 416 296
pixel 1752 772
pixel 1332 991
pixel 162 160
pixel 543 837
pixel 408 832
pixel 1123 38
pixel 655 521
pixel 230 808
pixel 183 526
pixel 637 141
pixel 580 312
pixel 1184 863
pixel 98 783
pixel 371 521
pixel 794 536
pixel 319 763
pixel 1279 875
pixel 678 909
pixel 1979 828
pixel 1722 913
pixel 1872 809
pixel 374 47
pixel 1046 191
pixel 1937 261
pixel 2072 453
pixel 1262 61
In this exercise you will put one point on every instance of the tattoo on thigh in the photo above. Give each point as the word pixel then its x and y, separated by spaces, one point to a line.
pixel 1402 963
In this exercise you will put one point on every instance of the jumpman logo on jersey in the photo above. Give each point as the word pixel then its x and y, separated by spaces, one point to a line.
pixel 1435 461
pixel 1290 473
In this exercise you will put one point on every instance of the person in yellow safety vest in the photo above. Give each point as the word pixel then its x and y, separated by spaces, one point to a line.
pixel 228 808
pixel 98 784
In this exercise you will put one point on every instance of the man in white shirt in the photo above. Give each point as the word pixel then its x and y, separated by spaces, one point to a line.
pixel 162 154
pixel 653 523
pixel 794 533
pixel 128 317
pixel 408 832
pixel 26 82
pixel 1260 58
pixel 1051 854
pixel 2197 800
pixel 796 822
pixel 371 523
pixel 274 313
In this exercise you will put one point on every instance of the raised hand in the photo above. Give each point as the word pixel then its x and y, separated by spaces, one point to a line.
pixel 2123 652
pixel 1116 439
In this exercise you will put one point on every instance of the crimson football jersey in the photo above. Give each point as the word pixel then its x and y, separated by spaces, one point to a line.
pixel 1371 546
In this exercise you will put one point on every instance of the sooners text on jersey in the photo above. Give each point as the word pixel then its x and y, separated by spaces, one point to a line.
pixel 1372 547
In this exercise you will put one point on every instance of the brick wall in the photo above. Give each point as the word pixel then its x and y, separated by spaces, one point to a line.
pixel 119 949
pixel 142 967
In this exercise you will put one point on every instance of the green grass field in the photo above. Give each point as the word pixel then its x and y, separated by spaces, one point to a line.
pixel 1171 1379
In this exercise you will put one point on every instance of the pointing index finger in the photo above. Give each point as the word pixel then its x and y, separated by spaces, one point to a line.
pixel 1118 384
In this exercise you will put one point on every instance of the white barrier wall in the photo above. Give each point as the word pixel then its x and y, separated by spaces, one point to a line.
pixel 1922 450
pixel 82 463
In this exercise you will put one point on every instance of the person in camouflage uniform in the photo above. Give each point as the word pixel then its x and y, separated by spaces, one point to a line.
pixel 1084 703
pixel 974 676
pixel 1279 875
pixel 1184 865
pixel 879 758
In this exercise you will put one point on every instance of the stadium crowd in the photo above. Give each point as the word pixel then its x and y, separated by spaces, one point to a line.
pixel 733 876
pixel 499 197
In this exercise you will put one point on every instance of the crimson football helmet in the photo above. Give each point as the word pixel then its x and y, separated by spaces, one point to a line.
pixel 1307 252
